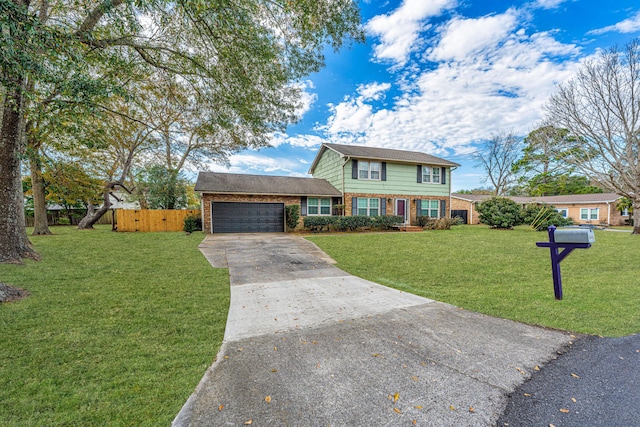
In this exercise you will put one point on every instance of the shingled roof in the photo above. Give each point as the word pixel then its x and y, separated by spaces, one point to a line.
pixel 384 154
pixel 566 199
pixel 229 183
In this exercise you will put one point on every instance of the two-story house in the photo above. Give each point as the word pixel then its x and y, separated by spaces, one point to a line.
pixel 361 180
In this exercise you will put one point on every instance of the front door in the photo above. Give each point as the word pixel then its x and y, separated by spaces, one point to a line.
pixel 402 210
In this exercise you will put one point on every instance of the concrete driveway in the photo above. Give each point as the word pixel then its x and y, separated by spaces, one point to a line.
pixel 307 344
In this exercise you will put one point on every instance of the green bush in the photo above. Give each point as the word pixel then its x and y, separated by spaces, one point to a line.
pixel 500 212
pixel 540 217
pixel 292 215
pixel 353 223
pixel 192 223
pixel 423 221
pixel 385 222
pixel 441 223
pixel 318 223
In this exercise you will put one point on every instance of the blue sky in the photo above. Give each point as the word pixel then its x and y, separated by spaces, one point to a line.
pixel 442 76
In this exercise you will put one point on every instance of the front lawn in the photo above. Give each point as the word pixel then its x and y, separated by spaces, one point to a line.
pixel 502 273
pixel 118 330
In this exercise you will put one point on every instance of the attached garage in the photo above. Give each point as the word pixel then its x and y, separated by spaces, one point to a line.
pixel 238 203
pixel 245 217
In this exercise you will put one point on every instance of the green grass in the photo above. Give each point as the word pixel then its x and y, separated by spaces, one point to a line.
pixel 118 330
pixel 502 273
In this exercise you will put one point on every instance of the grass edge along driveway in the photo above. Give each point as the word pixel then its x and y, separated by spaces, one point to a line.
pixel 502 273
pixel 118 330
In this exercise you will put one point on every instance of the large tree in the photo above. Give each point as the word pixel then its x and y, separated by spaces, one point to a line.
pixel 242 53
pixel 601 105
pixel 497 158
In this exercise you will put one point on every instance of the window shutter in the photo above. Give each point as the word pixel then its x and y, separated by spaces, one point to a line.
pixel 383 206
pixel 443 208
pixel 303 205
pixel 383 173
pixel 354 169
pixel 334 201
pixel 443 175
pixel 418 207
pixel 354 206
pixel 419 173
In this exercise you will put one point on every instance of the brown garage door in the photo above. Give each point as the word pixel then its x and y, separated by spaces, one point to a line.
pixel 242 217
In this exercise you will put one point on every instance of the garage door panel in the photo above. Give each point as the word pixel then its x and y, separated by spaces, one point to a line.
pixel 244 217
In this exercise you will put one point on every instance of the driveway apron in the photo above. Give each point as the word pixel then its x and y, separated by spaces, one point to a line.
pixel 307 344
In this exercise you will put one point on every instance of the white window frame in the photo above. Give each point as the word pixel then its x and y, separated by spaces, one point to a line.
pixel 431 175
pixel 589 214
pixel 318 206
pixel 564 212
pixel 368 208
pixel 367 169
pixel 430 208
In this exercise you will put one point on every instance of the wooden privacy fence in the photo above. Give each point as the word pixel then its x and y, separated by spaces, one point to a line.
pixel 152 219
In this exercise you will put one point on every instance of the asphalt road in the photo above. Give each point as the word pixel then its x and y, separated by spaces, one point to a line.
pixel 595 383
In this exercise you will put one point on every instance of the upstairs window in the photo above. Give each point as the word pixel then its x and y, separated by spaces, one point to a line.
pixel 431 175
pixel 369 170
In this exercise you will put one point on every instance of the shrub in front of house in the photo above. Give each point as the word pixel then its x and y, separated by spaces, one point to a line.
pixel 318 223
pixel 429 223
pixel 353 223
pixel 292 215
pixel 385 222
pixel 500 212
pixel 540 217
pixel 192 223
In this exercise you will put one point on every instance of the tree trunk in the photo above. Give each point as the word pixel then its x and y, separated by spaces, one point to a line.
pixel 93 214
pixel 40 221
pixel 14 243
pixel 636 215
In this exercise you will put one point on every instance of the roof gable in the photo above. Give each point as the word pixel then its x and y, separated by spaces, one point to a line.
pixel 383 154
pixel 229 183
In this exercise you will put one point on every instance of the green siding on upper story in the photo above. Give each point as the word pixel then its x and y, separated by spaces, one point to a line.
pixel 401 179
pixel 329 167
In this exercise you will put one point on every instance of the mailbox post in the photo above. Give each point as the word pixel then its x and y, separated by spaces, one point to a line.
pixel 567 240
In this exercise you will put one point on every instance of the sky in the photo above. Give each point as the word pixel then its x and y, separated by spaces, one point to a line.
pixel 442 77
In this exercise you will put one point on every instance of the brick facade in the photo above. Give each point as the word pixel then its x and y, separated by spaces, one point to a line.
pixel 207 198
pixel 473 217
pixel 390 206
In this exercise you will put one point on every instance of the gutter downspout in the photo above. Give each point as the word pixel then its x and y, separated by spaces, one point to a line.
pixel 451 169
pixel 344 200
pixel 608 213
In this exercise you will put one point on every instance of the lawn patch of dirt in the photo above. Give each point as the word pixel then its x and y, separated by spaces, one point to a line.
pixel 9 293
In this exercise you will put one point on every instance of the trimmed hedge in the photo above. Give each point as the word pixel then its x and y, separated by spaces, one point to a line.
pixel 292 215
pixel 429 223
pixel 350 223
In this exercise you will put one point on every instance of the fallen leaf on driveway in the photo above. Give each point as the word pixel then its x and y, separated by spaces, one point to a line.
pixel 564 410
pixel 248 423
pixel 536 368
pixel 472 409
pixel 397 410
pixel 220 408
pixel 396 397
pixel 452 407
pixel 573 399
pixel 267 399
pixel 575 376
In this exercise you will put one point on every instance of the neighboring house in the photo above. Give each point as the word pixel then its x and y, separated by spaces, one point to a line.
pixel 347 180
pixel 597 209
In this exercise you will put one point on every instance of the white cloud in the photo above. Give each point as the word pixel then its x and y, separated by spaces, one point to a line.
pixel 307 99
pixel 303 141
pixel 548 4
pixel 630 25
pixel 462 37
pixel 489 75
pixel 250 163
pixel 399 30
pixel 373 91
